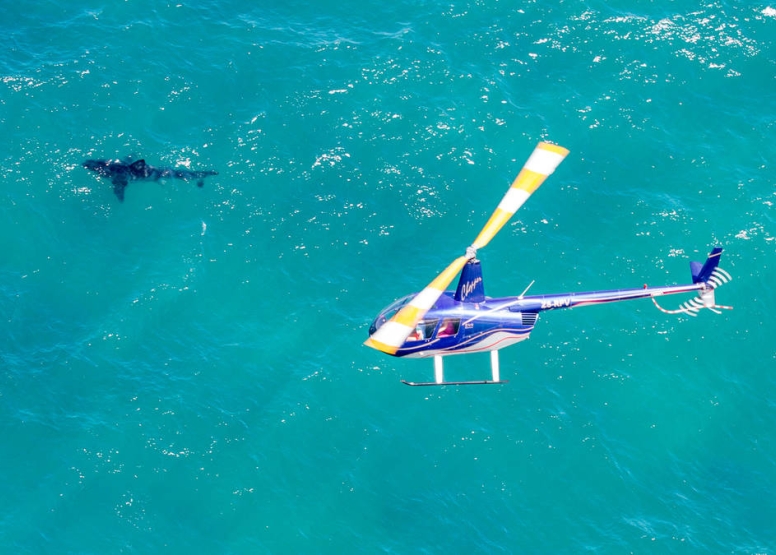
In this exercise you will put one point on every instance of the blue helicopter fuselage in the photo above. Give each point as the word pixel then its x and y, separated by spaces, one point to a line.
pixel 457 327
pixel 466 321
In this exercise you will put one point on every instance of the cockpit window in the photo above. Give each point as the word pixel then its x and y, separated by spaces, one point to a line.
pixel 388 313
pixel 423 330
pixel 449 327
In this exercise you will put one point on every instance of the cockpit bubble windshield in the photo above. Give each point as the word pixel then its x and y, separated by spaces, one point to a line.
pixel 389 312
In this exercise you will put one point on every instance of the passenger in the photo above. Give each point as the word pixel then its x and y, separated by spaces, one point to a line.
pixel 446 329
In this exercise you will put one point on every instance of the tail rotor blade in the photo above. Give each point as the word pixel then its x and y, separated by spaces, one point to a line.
pixel 391 335
pixel 542 162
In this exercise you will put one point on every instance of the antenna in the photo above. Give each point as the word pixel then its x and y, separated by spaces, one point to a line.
pixel 526 289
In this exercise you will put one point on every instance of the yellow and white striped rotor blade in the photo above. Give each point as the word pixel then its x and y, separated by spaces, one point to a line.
pixel 392 334
pixel 542 162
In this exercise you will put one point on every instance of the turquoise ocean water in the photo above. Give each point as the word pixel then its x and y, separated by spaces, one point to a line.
pixel 184 372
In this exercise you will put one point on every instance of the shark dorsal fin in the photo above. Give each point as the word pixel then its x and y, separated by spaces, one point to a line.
pixel 138 165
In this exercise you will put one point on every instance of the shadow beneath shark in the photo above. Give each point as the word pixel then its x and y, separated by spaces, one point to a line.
pixel 121 172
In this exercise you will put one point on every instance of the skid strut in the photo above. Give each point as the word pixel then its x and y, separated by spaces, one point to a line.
pixel 439 374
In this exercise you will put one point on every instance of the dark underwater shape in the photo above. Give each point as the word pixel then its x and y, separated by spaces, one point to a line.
pixel 121 172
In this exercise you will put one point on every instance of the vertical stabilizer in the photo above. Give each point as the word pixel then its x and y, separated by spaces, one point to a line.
pixel 702 274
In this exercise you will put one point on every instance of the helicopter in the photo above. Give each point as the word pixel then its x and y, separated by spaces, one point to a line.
pixel 437 323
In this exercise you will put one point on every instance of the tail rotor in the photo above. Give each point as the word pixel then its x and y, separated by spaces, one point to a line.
pixel 719 277
pixel 711 277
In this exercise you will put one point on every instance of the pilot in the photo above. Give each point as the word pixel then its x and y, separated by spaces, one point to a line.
pixel 416 335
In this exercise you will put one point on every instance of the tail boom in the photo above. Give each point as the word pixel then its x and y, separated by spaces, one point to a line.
pixel 589 298
pixel 706 278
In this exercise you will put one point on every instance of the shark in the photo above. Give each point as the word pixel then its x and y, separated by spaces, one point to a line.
pixel 121 172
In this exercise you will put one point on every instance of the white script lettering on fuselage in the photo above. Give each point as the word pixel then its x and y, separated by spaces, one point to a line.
pixel 469 287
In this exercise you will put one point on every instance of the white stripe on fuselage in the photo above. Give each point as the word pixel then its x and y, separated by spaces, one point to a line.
pixel 484 343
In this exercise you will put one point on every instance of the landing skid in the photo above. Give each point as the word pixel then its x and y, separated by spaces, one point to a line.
pixel 439 374
pixel 475 382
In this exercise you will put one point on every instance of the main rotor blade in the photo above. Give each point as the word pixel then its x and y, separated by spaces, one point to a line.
pixel 392 334
pixel 542 162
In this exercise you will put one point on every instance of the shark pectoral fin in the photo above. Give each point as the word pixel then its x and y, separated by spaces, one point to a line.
pixel 119 183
